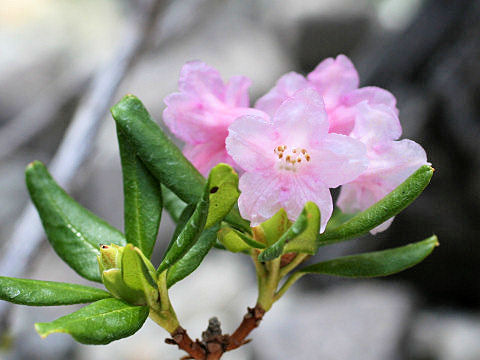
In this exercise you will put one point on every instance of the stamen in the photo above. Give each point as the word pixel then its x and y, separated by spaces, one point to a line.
pixel 292 161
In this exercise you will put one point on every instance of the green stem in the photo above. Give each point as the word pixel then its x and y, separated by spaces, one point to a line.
pixel 290 281
pixel 267 284
pixel 164 314
pixel 295 262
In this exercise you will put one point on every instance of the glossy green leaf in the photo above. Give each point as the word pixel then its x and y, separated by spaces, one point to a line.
pixel 99 323
pixel 272 229
pixel 189 234
pixel 47 293
pixel 139 274
pixel 383 210
pixel 306 241
pixel 193 258
pixel 74 232
pixel 172 204
pixel 142 199
pixel 224 193
pixel 161 156
pixel 378 263
pixel 296 229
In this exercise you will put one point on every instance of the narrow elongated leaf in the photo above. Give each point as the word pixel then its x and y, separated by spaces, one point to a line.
pixel 142 199
pixel 306 242
pixel 172 204
pixel 378 263
pixel 189 234
pixel 163 159
pixel 161 156
pixel 99 323
pixel 383 210
pixel 193 258
pixel 74 232
pixel 296 229
pixel 47 293
pixel 224 193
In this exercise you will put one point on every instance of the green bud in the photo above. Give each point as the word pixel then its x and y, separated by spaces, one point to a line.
pixel 110 257
pixel 128 274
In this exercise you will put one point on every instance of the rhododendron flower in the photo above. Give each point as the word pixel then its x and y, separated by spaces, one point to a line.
pixel 291 158
pixel 368 114
pixel 336 80
pixel 200 113
pixel 390 162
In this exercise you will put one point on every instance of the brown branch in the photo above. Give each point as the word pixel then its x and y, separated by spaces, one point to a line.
pixel 214 344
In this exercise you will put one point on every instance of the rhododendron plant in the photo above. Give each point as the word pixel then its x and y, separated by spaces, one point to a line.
pixel 304 137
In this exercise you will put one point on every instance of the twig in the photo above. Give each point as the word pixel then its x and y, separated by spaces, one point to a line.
pixel 77 143
pixel 214 344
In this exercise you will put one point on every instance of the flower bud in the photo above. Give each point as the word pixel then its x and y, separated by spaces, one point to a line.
pixel 110 257
pixel 128 274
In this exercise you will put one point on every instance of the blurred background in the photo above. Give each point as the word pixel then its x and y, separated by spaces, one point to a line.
pixel 63 63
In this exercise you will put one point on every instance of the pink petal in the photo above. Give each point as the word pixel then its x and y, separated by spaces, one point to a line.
pixel 375 123
pixel 382 227
pixel 371 94
pixel 285 88
pixel 263 194
pixel 342 119
pixel 200 80
pixel 301 119
pixel 337 159
pixel 236 94
pixel 259 198
pixel 251 141
pixel 333 78
pixel 190 120
pixel 205 156
pixel 303 189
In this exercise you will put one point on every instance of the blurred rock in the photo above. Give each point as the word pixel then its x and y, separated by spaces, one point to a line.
pixel 364 321
pixel 445 335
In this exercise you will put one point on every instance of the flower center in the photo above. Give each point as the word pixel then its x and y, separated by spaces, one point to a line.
pixel 291 159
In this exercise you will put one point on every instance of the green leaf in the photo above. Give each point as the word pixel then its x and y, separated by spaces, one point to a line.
pixel 306 242
pixel 74 232
pixel 378 263
pixel 139 274
pixel 99 323
pixel 47 293
pixel 250 241
pixel 172 204
pixel 383 210
pixel 272 229
pixel 189 234
pixel 296 229
pixel 142 199
pixel 193 258
pixel 232 241
pixel 224 193
pixel 161 156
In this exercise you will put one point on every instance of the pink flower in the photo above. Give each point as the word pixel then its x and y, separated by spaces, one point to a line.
pixel 291 159
pixel 336 80
pixel 390 163
pixel 202 110
pixel 367 114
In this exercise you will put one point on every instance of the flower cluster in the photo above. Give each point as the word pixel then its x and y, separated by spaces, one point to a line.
pixel 305 136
